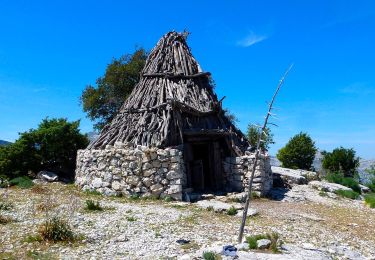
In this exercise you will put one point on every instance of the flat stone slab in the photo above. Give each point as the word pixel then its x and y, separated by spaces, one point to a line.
pixel 217 206
pixel 327 186
pixel 250 212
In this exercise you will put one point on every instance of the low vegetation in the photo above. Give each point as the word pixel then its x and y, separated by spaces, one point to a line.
pixel 22 182
pixel 273 237
pixel 211 256
pixel 348 194
pixel 5 205
pixel 56 230
pixel 93 205
pixel 370 200
pixel 232 211
pixel 339 178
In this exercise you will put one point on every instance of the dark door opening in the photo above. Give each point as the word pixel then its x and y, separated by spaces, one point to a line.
pixel 205 167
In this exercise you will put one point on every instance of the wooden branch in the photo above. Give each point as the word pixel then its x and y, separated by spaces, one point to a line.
pixel 248 197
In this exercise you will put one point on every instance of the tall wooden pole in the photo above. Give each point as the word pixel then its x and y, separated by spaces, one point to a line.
pixel 263 130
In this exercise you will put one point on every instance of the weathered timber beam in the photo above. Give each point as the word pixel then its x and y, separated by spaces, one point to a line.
pixel 169 75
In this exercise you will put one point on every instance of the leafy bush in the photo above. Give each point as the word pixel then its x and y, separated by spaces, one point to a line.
pixel 93 206
pixel 341 160
pixel 232 211
pixel 347 194
pixel 337 177
pixel 22 182
pixel 253 135
pixel 56 229
pixel 52 146
pixel 370 200
pixel 298 153
pixel 210 256
pixel 371 171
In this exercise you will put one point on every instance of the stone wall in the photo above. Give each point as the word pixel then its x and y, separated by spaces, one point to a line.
pixel 238 171
pixel 124 169
pixel 127 170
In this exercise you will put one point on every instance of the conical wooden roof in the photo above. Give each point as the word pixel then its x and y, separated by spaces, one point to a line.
pixel 172 100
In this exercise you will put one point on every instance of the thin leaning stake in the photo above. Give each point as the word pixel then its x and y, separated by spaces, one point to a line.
pixel 248 198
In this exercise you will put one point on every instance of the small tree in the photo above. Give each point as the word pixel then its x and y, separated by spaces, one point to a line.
pixel 253 134
pixel 52 146
pixel 341 160
pixel 101 103
pixel 298 153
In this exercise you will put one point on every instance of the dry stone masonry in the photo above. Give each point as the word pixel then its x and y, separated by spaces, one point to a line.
pixel 123 169
pixel 127 170
pixel 238 172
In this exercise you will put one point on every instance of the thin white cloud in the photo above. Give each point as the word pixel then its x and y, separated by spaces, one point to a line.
pixel 358 88
pixel 251 39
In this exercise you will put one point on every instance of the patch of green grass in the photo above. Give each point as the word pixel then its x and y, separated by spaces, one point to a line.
pixel 5 205
pixel 210 256
pixel 93 192
pixel 55 230
pixel 252 240
pixel 370 200
pixel 32 239
pixel 40 256
pixel 131 218
pixel 273 237
pixel 93 205
pixel 168 199
pixel 347 194
pixel 22 182
pixel 210 208
pixel 323 194
pixel 345 181
pixel 134 196
pixel 232 211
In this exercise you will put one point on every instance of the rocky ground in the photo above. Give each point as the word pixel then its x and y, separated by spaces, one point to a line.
pixel 311 225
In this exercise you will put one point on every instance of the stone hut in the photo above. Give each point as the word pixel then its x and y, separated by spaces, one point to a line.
pixel 171 136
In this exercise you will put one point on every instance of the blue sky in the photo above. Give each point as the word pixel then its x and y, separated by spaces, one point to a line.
pixel 50 50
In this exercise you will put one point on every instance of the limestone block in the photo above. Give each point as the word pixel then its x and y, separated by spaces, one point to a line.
pixel 116 185
pixel 147 182
pixel 97 183
pixel 156 189
pixel 171 175
pixel 176 188
pixel 133 180
pixel 148 173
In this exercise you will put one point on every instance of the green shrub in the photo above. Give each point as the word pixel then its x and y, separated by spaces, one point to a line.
pixel 298 153
pixel 370 200
pixel 252 240
pixel 93 192
pixel 337 177
pixel 56 229
pixel 5 205
pixel 168 199
pixel 52 146
pixel 22 182
pixel 210 256
pixel 232 211
pixel 131 219
pixel 347 194
pixel 341 160
pixel 93 205
pixel 273 237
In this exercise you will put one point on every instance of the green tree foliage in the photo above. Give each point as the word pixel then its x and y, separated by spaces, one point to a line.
pixel 341 160
pixel 52 146
pixel 253 134
pixel 298 153
pixel 103 101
